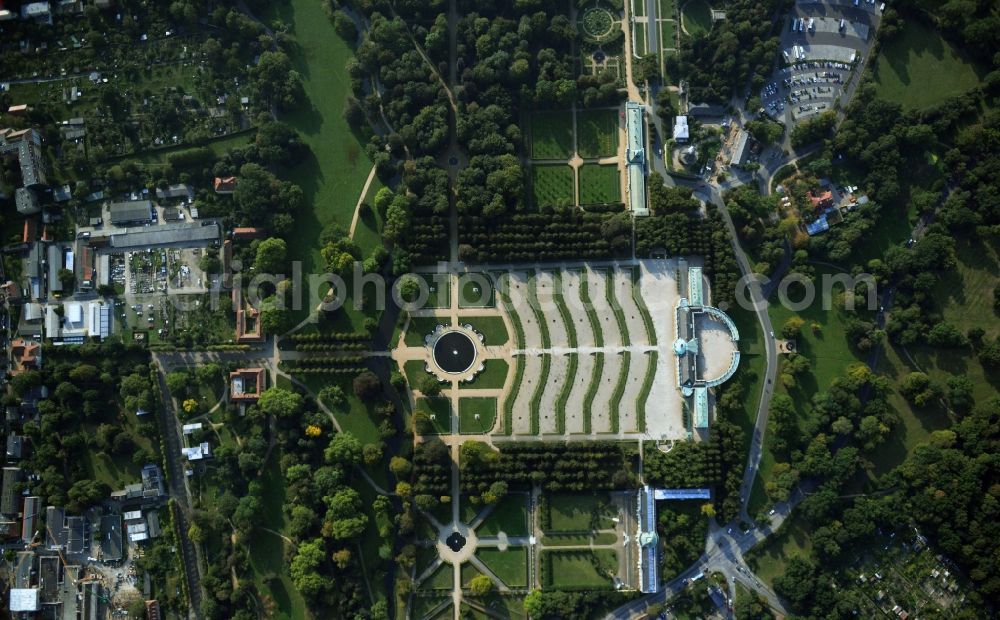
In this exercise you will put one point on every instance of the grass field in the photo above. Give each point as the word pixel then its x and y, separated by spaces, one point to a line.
pixel 510 516
pixel 333 173
pixel 918 68
pixel 579 569
pixel 552 135
pixel 267 557
pixel 552 185
pixel 475 292
pixel 915 425
pixel 827 350
pixel 574 513
pixel 697 17
pixel 967 300
pixel 769 560
pixel 486 407
pixel 599 184
pixel 511 565
pixel 492 328
pixel 413 370
pixel 596 133
pixel 491 378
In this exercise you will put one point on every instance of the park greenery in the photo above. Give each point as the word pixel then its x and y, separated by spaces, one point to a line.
pixel 295 518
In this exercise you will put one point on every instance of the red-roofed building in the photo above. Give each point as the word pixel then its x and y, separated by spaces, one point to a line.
pixel 248 325
pixel 225 185
pixel 821 201
pixel 246 384
pixel 30 230
pixel 24 355
pixel 247 233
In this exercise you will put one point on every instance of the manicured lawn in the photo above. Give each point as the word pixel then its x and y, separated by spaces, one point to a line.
pixel 441 579
pixel 439 410
pixel 574 513
pixel 493 376
pixel 468 572
pixel 510 515
pixel 423 604
pixel 509 606
pixel 668 36
pixel 492 328
pixel 552 185
pixel 579 569
pixel 599 184
pixel 918 68
pixel 468 408
pixel 420 326
pixel 333 173
pixel 438 290
pixel 697 15
pixel 511 565
pixel 486 407
pixel 596 133
pixel 552 135
pixel 639 32
pixel 476 291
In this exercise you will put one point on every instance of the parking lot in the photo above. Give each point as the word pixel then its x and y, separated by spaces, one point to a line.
pixel 822 46
pixel 804 89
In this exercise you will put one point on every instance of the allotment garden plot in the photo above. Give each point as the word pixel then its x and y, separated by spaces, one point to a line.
pixel 592 351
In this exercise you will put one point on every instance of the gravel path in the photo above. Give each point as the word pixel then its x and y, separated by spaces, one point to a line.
pixel 601 412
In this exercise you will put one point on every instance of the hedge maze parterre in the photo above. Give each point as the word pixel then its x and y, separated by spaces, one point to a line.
pixel 552 140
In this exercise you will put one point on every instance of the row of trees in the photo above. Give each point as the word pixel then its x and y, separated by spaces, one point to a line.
pixel 578 466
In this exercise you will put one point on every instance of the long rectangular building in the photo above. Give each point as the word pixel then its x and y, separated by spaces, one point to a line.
pixel 635 157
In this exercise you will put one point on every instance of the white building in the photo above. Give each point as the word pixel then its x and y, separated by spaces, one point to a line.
pixel 681 130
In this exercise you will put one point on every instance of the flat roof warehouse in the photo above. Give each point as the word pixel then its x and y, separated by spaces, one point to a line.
pixel 178 235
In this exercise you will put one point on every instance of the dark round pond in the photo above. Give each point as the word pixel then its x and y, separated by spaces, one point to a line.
pixel 454 352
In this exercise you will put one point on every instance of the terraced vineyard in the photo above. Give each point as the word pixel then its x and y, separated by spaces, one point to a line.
pixel 586 351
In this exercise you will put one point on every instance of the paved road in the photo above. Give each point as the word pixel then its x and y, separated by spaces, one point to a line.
pixel 179 493
pixel 652 30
